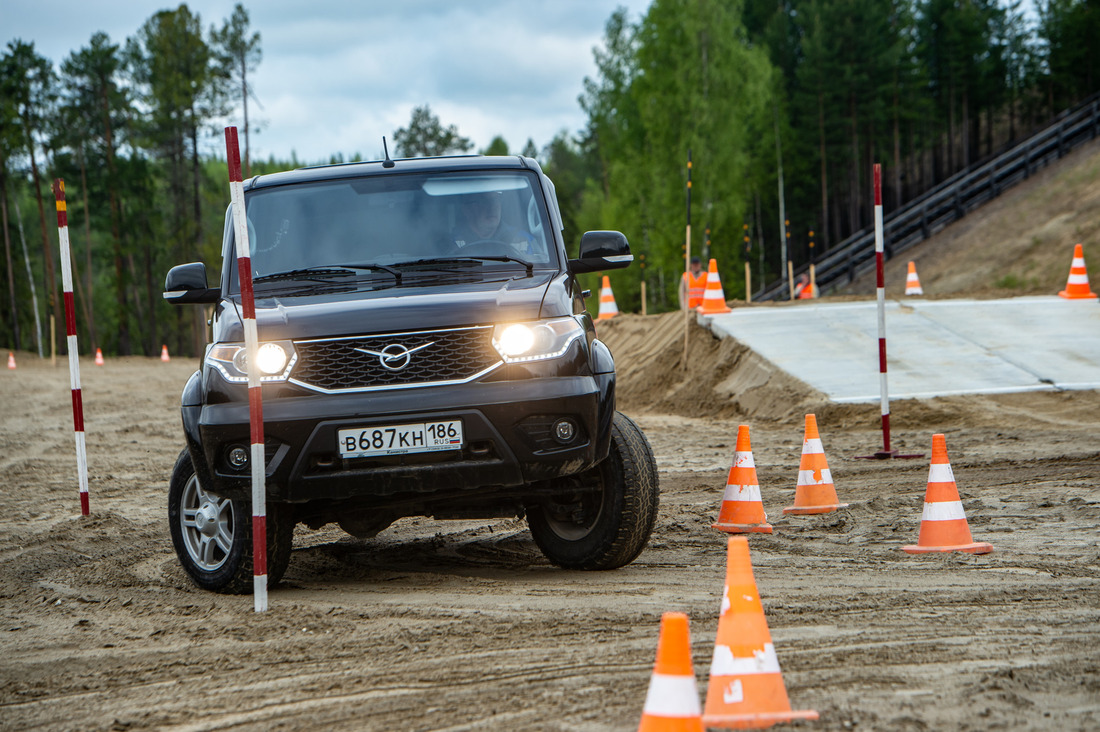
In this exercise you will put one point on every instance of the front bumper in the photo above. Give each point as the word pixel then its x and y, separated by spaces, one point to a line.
pixel 505 424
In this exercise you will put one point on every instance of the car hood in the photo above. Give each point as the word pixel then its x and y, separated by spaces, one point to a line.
pixel 366 309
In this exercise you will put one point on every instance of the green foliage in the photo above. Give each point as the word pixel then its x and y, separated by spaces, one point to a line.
pixel 237 53
pixel 683 81
pixel 496 147
pixel 426 136
pixel 1071 30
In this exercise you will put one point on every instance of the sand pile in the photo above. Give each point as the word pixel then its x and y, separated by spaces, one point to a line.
pixel 723 377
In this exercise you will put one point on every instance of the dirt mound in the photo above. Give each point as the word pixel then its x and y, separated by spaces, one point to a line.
pixel 723 377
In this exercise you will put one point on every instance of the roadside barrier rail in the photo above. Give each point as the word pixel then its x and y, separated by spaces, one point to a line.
pixel 951 200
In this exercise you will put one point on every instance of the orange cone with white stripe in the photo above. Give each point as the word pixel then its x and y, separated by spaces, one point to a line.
pixel 912 282
pixel 98 357
pixel 672 703
pixel 608 309
pixel 714 300
pixel 943 526
pixel 815 492
pixel 11 360
pixel 746 688
pixel 742 510
pixel 1077 286
pixel 164 354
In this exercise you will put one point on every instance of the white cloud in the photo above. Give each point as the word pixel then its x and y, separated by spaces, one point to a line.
pixel 336 75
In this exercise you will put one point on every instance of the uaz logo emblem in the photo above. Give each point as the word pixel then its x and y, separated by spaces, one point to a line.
pixel 395 356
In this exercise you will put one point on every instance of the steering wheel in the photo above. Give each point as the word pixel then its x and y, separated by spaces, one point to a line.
pixel 483 246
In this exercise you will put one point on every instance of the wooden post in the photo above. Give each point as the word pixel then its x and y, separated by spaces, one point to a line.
pixel 53 341
pixel 790 277
pixel 813 268
pixel 642 265
pixel 748 267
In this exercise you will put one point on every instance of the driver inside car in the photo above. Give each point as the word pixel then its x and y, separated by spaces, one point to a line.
pixel 480 221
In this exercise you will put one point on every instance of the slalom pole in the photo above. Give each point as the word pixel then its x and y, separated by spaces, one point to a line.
pixel 748 267
pixel 70 332
pixel 880 294
pixel 687 262
pixel 886 453
pixel 255 398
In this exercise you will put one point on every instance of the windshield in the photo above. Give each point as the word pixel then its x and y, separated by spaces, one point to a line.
pixel 492 220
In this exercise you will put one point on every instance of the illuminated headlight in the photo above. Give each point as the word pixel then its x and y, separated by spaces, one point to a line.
pixel 519 342
pixel 516 340
pixel 272 359
pixel 275 359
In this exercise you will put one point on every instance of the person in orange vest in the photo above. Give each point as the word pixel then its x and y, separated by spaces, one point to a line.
pixel 693 284
pixel 803 288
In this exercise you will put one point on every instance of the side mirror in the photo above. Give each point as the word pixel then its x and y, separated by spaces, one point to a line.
pixel 601 250
pixel 186 283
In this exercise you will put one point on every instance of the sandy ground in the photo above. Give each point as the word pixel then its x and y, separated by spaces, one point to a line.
pixel 464 626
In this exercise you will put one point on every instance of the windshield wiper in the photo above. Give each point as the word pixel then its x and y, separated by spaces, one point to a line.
pixel 323 273
pixel 467 258
pixel 381 267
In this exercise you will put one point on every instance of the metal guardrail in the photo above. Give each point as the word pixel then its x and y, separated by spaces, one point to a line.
pixel 949 201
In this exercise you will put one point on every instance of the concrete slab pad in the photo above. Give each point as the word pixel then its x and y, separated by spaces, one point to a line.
pixel 933 347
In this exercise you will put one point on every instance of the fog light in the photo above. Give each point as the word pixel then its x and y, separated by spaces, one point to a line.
pixel 564 431
pixel 238 457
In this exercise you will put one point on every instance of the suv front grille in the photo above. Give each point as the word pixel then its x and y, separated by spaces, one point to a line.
pixel 433 357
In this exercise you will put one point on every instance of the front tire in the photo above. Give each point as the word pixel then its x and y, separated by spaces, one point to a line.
pixel 606 521
pixel 213 535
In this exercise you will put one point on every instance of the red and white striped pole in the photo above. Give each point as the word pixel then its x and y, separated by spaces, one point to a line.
pixel 70 333
pixel 255 399
pixel 881 296
pixel 880 277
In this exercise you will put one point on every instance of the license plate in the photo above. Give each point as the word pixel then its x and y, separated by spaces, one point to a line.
pixel 400 439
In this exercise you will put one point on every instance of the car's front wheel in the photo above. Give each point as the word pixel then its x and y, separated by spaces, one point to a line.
pixel 605 521
pixel 213 535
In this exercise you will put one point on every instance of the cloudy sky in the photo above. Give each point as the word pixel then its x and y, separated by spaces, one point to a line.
pixel 336 75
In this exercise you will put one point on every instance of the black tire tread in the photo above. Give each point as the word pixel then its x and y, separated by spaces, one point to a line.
pixel 280 537
pixel 639 511
pixel 633 510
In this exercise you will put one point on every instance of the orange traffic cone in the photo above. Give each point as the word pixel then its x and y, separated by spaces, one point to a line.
pixel 164 354
pixel 714 300
pixel 943 526
pixel 11 360
pixel 815 492
pixel 98 357
pixel 672 703
pixel 912 282
pixel 742 510
pixel 1077 286
pixel 608 309
pixel 746 688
